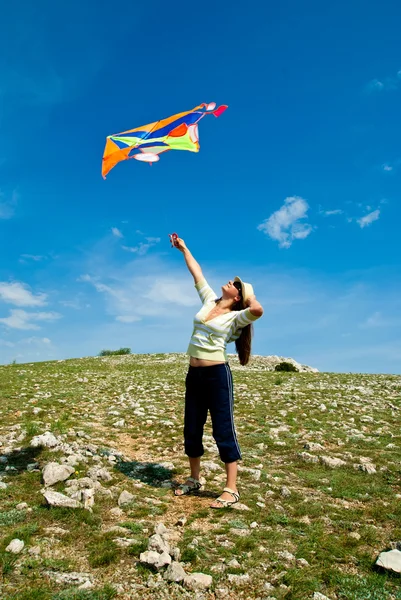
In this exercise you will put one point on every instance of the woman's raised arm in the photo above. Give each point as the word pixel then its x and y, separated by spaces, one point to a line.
pixel 193 266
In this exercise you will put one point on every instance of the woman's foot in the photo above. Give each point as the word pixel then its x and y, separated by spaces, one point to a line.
pixel 191 485
pixel 227 498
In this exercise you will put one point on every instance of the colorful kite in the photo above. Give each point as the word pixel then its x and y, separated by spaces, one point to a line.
pixel 179 132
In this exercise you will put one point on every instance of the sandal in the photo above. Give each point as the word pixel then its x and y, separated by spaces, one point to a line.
pixel 227 503
pixel 187 488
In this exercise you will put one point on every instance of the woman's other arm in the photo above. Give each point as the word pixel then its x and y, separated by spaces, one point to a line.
pixel 193 266
pixel 254 306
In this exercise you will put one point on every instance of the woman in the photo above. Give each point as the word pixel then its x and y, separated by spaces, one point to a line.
pixel 209 382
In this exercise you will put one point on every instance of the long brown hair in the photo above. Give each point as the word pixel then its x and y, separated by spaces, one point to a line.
pixel 243 344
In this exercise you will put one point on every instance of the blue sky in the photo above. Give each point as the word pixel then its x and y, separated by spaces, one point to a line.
pixel 296 187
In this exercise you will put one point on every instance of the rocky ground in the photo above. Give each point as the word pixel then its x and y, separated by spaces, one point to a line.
pixel 90 450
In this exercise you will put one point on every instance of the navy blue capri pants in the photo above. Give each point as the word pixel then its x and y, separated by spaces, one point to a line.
pixel 210 389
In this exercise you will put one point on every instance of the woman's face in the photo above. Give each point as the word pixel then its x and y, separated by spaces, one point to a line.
pixel 230 291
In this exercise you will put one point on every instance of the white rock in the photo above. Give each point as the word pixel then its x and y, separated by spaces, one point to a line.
pixel 255 473
pixel 116 511
pixel 319 596
pixel 124 542
pixel 57 499
pixel 313 446
pixel 211 466
pixel 3 485
pixel 286 556
pixel 56 531
pixel 159 544
pixel 99 473
pixel 125 498
pixel 323 407
pixel 54 472
pixel 119 423
pixel 150 557
pixel 366 468
pixel 240 506
pixel 160 528
pixel 87 585
pixel 72 578
pixel 198 581
pixel 47 439
pixel 331 462
pixel 238 579
pixel 285 492
pixel 234 563
pixel 34 550
pixel 302 562
pixel 175 572
pixel 88 497
pixel 309 458
pixel 15 546
pixel 21 506
pixel 390 560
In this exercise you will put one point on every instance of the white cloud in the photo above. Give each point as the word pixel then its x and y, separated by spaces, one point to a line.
pixel 131 297
pixel 386 167
pixel 375 320
pixel 329 213
pixel 20 319
pixel 34 257
pixel 35 341
pixel 6 343
pixel 285 224
pixel 378 320
pixel 7 206
pixel 387 84
pixel 369 218
pixel 116 232
pixel 375 86
pixel 141 249
pixel 19 294
pixel 176 292
pixel 127 318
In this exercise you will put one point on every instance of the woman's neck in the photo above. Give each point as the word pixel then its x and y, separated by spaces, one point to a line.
pixel 225 304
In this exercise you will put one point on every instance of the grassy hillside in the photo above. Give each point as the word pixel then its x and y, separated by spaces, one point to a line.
pixel 305 523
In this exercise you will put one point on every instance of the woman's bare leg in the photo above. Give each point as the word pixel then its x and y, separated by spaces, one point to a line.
pixel 194 464
pixel 231 481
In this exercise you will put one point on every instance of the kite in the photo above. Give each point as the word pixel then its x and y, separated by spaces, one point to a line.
pixel 179 132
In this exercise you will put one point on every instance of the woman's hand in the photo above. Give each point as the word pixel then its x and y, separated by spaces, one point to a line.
pixel 180 245
pixel 251 300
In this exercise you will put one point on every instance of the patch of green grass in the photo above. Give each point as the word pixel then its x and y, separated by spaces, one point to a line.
pixel 102 552
pixel 71 518
pixel 7 563
pixel 238 524
pixel 245 544
pixel 11 517
pixel 138 548
pixel 107 592
pixel 23 533
pixel 368 587
pixel 57 564
pixel 31 593
pixel 132 526
pixel 32 428
pixel 189 555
